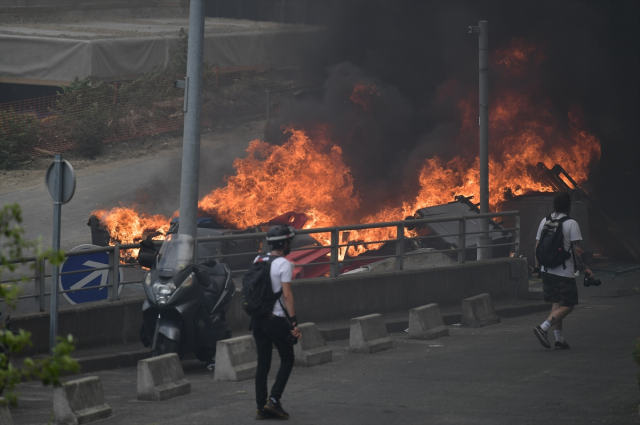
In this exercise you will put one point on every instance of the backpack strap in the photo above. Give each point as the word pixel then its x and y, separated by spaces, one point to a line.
pixel 560 223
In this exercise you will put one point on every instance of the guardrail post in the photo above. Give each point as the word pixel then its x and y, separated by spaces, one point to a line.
pixel 400 247
pixel 517 236
pixel 335 241
pixel 462 240
pixel 265 246
pixel 39 283
pixel 114 272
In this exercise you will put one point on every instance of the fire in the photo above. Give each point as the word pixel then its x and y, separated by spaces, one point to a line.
pixel 522 132
pixel 308 174
pixel 362 93
pixel 304 174
pixel 127 225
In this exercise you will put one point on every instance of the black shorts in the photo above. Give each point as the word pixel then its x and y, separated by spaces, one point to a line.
pixel 560 289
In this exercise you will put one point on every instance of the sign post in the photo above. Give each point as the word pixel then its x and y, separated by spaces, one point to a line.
pixel 60 182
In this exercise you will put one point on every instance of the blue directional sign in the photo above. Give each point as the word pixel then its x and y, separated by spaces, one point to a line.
pixel 87 279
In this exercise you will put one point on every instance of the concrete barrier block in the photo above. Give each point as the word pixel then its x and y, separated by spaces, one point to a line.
pixel 426 322
pixel 478 312
pixel 236 359
pixel 79 401
pixel 368 335
pixel 311 349
pixel 5 414
pixel 161 378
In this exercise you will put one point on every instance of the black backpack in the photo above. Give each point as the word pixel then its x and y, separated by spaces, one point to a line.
pixel 550 251
pixel 258 298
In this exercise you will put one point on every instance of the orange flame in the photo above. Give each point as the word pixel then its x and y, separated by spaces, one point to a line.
pixel 362 93
pixel 307 173
pixel 127 225
pixel 301 175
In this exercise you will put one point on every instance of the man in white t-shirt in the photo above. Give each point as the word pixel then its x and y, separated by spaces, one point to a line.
pixel 279 329
pixel 559 283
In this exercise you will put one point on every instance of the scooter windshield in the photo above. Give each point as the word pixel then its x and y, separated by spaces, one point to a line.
pixel 176 252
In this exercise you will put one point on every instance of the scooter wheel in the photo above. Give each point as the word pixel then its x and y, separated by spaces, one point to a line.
pixel 205 354
pixel 165 346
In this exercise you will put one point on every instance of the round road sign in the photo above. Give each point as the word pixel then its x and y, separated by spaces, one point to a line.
pixel 87 279
pixel 68 176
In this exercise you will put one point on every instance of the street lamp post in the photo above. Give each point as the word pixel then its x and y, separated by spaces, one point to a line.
pixel 192 117
pixel 483 30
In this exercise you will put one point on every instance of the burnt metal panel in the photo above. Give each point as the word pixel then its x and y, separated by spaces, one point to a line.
pixel 463 206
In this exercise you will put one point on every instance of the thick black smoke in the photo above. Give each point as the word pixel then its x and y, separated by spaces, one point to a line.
pixel 410 49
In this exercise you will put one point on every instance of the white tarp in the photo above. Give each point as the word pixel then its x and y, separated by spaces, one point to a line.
pixel 63 59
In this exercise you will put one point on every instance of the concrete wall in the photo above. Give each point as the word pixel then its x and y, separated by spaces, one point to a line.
pixel 94 324
pixel 360 294
pixel 317 300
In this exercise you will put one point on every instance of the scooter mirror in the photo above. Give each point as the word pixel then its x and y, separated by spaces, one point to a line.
pixel 146 259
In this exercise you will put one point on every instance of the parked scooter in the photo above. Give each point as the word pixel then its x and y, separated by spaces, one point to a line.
pixel 186 303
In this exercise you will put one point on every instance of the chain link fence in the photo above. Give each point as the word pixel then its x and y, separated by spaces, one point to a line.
pixel 84 119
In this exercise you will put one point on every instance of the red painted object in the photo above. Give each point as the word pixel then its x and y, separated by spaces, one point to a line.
pixel 310 256
pixel 291 218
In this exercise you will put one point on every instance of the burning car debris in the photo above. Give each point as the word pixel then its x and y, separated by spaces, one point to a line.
pixel 333 168
pixel 600 233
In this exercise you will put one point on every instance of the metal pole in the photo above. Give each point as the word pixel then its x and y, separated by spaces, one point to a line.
pixel 39 283
pixel 192 117
pixel 114 272
pixel 400 247
pixel 517 235
pixel 335 241
pixel 57 213
pixel 483 43
pixel 462 240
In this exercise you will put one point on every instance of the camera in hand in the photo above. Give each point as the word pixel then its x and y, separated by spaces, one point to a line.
pixel 591 281
pixel 292 339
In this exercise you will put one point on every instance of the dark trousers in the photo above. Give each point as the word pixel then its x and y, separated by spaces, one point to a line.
pixel 267 332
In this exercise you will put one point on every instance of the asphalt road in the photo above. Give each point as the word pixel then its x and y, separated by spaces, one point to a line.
pixel 494 375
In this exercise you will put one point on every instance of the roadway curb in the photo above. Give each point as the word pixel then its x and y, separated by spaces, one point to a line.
pixel 110 361
pixel 116 360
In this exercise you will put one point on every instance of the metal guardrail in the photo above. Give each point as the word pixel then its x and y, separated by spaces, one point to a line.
pixel 40 276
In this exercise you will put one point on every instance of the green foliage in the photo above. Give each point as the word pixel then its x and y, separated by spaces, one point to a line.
pixel 18 131
pixel 76 85
pixel 13 250
pixel 636 357
pixel 91 129
pixel 86 110
pixel 179 54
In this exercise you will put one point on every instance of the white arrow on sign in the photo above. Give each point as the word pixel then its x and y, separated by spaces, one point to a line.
pixel 104 275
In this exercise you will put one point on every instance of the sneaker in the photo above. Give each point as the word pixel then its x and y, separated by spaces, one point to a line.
pixel 264 414
pixel 542 336
pixel 276 408
pixel 561 345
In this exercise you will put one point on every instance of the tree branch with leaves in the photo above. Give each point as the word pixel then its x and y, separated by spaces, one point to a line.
pixel 13 254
